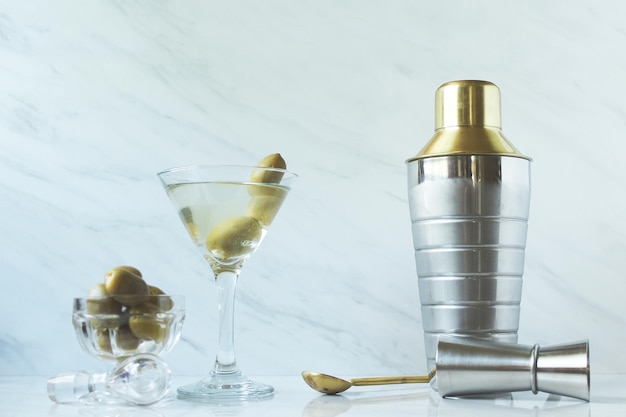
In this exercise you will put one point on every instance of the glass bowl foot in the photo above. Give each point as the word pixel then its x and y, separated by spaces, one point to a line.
pixel 226 389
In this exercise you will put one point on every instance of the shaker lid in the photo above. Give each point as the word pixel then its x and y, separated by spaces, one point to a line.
pixel 467 121
pixel 467 103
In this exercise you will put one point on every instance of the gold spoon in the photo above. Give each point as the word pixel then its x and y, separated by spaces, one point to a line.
pixel 328 384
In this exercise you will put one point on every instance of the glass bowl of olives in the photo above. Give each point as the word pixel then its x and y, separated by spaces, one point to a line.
pixel 126 321
pixel 124 315
pixel 115 327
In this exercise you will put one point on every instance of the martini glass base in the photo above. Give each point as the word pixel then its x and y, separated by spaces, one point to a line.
pixel 230 388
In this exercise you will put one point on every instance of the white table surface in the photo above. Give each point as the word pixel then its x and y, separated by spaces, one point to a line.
pixel 26 396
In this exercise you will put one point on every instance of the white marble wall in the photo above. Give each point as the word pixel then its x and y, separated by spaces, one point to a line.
pixel 97 96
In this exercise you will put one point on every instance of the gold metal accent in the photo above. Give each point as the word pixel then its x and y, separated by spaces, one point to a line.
pixel 331 385
pixel 467 121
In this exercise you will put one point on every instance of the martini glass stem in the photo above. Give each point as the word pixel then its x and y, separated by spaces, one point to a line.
pixel 225 362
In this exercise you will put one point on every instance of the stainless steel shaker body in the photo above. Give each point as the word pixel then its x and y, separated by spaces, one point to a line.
pixel 469 199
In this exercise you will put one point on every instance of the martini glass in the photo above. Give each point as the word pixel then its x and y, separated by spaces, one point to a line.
pixel 226 211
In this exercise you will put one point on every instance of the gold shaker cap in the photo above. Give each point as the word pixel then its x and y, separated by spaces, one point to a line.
pixel 467 103
pixel 467 121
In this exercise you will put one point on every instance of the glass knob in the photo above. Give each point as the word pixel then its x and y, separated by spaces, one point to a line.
pixel 141 379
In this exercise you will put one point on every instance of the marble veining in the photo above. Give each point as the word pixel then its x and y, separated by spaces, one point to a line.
pixel 97 97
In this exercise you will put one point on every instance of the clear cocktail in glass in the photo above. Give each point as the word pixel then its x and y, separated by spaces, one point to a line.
pixel 227 211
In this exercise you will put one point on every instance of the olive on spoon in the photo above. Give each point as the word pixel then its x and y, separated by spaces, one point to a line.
pixel 328 384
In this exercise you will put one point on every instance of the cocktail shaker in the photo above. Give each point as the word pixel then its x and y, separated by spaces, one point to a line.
pixel 469 198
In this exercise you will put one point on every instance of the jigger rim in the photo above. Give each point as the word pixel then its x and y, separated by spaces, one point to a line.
pixel 586 370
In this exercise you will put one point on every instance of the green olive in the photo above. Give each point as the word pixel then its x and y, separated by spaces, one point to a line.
pixel 264 207
pixel 164 303
pixel 98 290
pixel 100 302
pixel 124 338
pixel 126 286
pixel 234 237
pixel 106 311
pixel 192 229
pixel 104 340
pixel 154 290
pixel 130 269
pixel 274 160
pixel 145 323
pixel 268 176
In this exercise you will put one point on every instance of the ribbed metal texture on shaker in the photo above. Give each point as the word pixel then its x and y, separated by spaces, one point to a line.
pixel 469 196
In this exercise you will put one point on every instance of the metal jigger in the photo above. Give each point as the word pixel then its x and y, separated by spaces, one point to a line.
pixel 478 367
